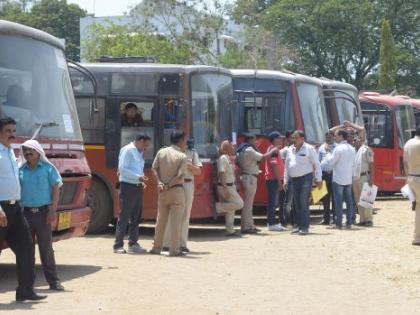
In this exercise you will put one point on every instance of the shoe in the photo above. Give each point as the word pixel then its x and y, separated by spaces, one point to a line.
pixel 29 297
pixel 57 286
pixel 415 243
pixel 249 231
pixel 348 226
pixel 178 254
pixel 369 224
pixel 276 228
pixel 165 249
pixel 233 234
pixel 135 249
pixel 295 231
pixel 303 232
pixel 184 249
pixel 257 230
pixel 324 222
pixel 155 251
pixel 335 227
pixel 119 250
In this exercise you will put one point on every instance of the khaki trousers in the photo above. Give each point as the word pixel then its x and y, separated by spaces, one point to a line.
pixel 171 204
pixel 249 184
pixel 185 220
pixel 414 183
pixel 228 207
pixel 365 213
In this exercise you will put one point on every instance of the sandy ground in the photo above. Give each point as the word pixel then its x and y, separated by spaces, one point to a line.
pixel 362 271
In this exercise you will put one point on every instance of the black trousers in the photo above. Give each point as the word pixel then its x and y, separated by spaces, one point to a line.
pixel 328 198
pixel 42 231
pixel 19 239
pixel 131 204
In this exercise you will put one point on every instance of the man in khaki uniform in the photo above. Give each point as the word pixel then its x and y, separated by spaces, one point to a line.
pixel 229 199
pixel 169 170
pixel 248 158
pixel 363 173
pixel 412 170
pixel 193 169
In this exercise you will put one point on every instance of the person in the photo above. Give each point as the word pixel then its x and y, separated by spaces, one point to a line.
pixel 14 228
pixel 411 161
pixel 341 160
pixel 287 206
pixel 363 173
pixel 169 170
pixel 40 182
pixel 248 158
pixel 274 171
pixel 131 116
pixel 327 147
pixel 229 199
pixel 193 169
pixel 300 166
pixel 131 178
pixel 170 111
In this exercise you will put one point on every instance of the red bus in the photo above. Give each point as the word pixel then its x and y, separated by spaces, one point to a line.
pixel 35 90
pixel 195 99
pixel 342 102
pixel 277 101
pixel 389 122
pixel 416 108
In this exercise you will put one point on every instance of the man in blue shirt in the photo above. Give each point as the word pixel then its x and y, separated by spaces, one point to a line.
pixel 40 182
pixel 131 177
pixel 13 226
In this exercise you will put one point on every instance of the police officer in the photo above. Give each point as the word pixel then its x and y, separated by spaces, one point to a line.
pixel 169 170
pixel 193 169
pixel 248 158
pixel 363 173
pixel 41 182
pixel 412 170
pixel 13 226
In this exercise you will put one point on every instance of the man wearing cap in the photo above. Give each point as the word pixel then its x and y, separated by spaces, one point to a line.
pixel 41 182
pixel 248 159
pixel 193 169
pixel 13 226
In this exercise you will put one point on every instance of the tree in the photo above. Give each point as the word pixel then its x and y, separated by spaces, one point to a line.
pixel 387 59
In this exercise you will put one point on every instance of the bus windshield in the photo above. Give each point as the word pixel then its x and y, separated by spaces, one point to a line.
pixel 313 111
pixel 211 96
pixel 35 89
pixel 346 110
pixel 378 124
pixel 405 123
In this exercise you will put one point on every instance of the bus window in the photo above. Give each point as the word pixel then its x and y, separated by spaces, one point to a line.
pixel 93 124
pixel 405 124
pixel 379 126
pixel 133 84
pixel 171 118
pixel 137 118
pixel 169 84
pixel 346 110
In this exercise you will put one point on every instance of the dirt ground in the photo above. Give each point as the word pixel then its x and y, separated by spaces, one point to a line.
pixel 361 271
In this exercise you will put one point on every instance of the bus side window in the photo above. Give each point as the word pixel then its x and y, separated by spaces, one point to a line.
pixel 171 117
pixel 93 127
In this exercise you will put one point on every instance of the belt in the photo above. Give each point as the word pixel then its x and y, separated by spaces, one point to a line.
pixel 366 173
pixel 249 174
pixel 34 210
pixel 137 185
pixel 414 175
pixel 187 180
pixel 9 202
pixel 227 184
pixel 174 186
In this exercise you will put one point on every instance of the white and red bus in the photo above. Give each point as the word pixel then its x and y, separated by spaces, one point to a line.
pixel 35 90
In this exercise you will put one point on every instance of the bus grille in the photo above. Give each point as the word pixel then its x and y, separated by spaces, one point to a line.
pixel 67 193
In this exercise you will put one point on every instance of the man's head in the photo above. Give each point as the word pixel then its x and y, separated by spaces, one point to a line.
pixel 30 155
pixel 178 138
pixel 357 141
pixel 289 136
pixel 226 147
pixel 275 138
pixel 130 110
pixel 329 137
pixel 7 131
pixel 350 135
pixel 340 135
pixel 142 142
pixel 250 138
pixel 298 137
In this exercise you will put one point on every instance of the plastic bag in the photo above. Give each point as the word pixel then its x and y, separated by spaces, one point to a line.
pixel 368 196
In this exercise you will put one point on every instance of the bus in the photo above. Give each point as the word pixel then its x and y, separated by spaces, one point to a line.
pixel 416 108
pixel 35 90
pixel 277 101
pixel 195 99
pixel 342 102
pixel 389 123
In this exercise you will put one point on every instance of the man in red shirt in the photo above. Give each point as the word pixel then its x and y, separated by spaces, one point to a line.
pixel 274 172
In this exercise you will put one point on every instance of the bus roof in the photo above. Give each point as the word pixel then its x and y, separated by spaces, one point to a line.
pixel 15 29
pixel 333 84
pixel 413 101
pixel 273 75
pixel 384 99
pixel 152 67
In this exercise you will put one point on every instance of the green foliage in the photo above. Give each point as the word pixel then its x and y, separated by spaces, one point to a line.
pixel 387 59
pixel 56 17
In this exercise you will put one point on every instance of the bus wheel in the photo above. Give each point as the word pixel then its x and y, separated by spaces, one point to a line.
pixel 101 204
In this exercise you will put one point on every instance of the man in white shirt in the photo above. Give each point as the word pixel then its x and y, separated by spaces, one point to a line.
pixel 341 160
pixel 300 166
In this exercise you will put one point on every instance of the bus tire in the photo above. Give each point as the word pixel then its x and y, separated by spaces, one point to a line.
pixel 100 202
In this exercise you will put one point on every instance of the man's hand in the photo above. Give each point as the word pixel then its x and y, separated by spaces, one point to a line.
pixel 319 184
pixel 52 214
pixel 189 166
pixel 161 187
pixel 280 184
pixel 143 178
pixel 347 124
pixel 3 218
pixel 144 185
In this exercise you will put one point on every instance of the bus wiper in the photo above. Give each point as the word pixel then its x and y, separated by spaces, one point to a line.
pixel 41 126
